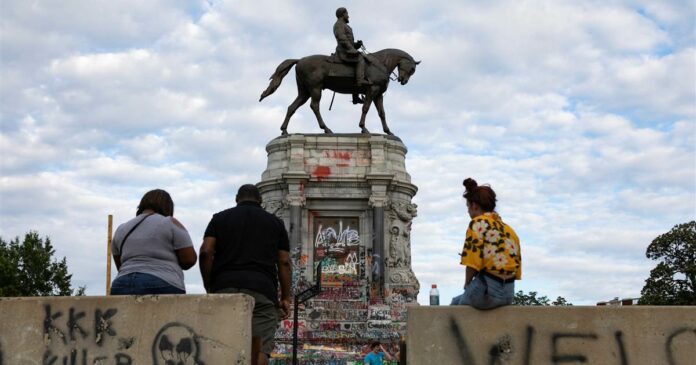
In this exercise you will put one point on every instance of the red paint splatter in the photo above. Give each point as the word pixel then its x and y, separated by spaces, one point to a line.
pixel 339 155
pixel 345 155
pixel 321 172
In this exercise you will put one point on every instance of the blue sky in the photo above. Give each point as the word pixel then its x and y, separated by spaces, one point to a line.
pixel 580 114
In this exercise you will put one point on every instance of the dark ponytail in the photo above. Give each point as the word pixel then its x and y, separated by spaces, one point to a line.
pixel 484 196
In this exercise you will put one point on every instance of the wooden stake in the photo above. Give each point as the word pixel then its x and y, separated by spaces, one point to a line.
pixel 108 253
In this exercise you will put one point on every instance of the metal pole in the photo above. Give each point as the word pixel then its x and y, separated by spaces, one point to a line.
pixel 108 253
pixel 306 295
pixel 294 333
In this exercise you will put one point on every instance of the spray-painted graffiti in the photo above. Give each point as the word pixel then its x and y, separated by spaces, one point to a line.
pixel 73 335
pixel 176 344
pixel 337 243
pixel 299 267
pixel 353 308
pixel 562 350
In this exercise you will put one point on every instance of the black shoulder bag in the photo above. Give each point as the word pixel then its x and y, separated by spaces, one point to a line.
pixel 131 231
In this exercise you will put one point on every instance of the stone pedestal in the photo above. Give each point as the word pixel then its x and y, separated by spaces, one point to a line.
pixel 346 200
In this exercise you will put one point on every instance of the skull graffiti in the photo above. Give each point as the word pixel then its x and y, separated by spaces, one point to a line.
pixel 176 344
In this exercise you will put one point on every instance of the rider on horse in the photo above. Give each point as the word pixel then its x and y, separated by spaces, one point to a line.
pixel 347 49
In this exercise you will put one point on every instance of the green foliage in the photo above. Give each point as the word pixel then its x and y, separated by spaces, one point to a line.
pixel 28 269
pixel 673 280
pixel 561 302
pixel 531 299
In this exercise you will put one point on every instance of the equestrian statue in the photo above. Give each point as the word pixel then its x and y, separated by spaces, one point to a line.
pixel 348 71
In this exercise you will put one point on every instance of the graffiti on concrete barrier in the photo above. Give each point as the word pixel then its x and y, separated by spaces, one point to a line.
pixel 73 334
pixel 501 350
pixel 560 357
pixel 176 344
pixel 669 349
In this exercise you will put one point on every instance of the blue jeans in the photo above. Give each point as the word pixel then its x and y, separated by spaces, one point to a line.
pixel 138 283
pixel 486 293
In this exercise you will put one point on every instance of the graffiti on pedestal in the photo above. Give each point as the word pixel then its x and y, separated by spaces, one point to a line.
pixel 353 308
pixel 337 244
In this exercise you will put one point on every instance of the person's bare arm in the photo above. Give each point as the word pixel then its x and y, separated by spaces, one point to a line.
pixel 385 352
pixel 206 254
pixel 285 277
pixel 470 273
pixel 186 257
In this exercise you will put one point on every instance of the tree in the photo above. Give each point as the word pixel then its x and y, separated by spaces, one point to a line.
pixel 27 268
pixel 673 280
pixel 531 299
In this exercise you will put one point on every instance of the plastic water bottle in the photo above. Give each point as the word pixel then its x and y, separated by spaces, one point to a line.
pixel 434 295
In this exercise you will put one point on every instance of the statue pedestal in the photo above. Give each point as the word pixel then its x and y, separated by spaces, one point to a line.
pixel 346 200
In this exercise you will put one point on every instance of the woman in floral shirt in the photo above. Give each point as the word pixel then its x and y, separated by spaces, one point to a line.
pixel 491 253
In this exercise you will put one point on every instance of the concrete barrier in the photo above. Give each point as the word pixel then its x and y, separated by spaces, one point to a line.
pixel 123 330
pixel 552 335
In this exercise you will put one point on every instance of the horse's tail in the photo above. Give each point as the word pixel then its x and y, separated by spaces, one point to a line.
pixel 277 77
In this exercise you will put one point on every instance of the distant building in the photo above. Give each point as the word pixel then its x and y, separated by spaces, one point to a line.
pixel 617 301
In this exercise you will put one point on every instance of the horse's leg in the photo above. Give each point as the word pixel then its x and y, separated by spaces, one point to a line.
pixel 314 104
pixel 365 108
pixel 301 98
pixel 379 104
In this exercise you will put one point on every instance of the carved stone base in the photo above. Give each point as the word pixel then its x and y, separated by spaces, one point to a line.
pixel 346 201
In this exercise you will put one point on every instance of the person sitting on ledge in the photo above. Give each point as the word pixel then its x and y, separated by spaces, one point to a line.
pixel 491 253
pixel 152 250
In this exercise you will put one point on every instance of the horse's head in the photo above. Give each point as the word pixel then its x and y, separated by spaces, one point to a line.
pixel 407 67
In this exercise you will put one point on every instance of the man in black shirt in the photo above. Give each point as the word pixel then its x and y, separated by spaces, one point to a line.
pixel 246 250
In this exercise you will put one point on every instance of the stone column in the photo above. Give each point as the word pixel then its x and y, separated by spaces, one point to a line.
pixel 295 201
pixel 378 200
pixel 295 177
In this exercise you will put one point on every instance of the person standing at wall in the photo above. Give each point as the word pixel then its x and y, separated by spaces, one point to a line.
pixel 246 250
pixel 377 354
pixel 491 253
pixel 152 250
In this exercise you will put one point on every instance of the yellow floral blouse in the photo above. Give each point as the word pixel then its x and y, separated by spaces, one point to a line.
pixel 493 246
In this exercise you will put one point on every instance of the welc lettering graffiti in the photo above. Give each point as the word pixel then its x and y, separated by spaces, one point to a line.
pixel 502 350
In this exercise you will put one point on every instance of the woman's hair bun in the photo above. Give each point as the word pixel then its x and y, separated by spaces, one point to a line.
pixel 470 184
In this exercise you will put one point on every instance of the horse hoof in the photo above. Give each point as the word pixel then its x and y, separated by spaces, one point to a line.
pixel 283 132
pixel 327 130
pixel 365 131
pixel 387 131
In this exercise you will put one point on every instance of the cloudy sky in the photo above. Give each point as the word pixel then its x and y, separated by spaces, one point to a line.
pixel 580 114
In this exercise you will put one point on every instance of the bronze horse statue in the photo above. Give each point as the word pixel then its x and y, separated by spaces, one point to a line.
pixel 317 72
